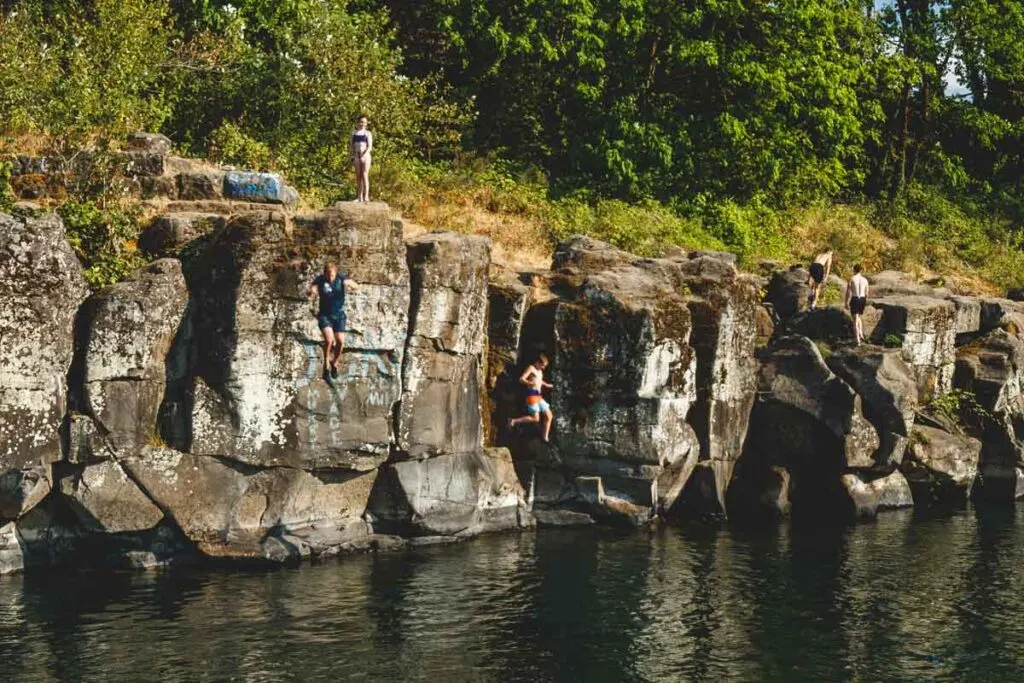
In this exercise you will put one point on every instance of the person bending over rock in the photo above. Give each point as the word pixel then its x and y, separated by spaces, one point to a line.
pixel 536 406
pixel 857 300
pixel 331 287
pixel 362 145
pixel 820 269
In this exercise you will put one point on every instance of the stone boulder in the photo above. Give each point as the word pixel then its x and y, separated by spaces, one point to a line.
pixel 259 397
pixel 41 287
pixel 237 512
pixel 787 291
pixel 867 497
pixel 462 494
pixel 940 467
pixel 888 392
pixel 442 375
pixel 806 420
pixel 123 338
pixel 106 501
pixel 925 329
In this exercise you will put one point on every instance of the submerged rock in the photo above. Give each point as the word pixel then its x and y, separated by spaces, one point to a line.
pixel 883 493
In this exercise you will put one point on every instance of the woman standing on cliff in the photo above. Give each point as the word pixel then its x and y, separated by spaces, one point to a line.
pixel 362 145
pixel 331 287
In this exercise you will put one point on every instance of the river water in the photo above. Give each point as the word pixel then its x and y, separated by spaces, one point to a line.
pixel 901 599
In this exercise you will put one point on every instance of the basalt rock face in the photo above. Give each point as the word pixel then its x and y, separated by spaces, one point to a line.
pixel 442 373
pixel 807 421
pixel 41 287
pixel 940 467
pixel 992 370
pixel 653 372
pixel 259 397
pixel 458 494
pixel 723 305
pixel 124 335
pixel 624 375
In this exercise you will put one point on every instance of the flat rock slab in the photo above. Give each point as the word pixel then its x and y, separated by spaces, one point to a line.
pixel 229 511
pixel 460 494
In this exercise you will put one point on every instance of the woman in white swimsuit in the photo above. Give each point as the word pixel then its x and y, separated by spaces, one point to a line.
pixel 362 145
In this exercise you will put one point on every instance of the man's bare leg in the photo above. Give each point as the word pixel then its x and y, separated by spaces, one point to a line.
pixel 328 346
pixel 529 417
pixel 339 348
pixel 548 419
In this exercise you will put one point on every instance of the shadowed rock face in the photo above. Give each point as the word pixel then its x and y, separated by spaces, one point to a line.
pixel 807 421
pixel 126 332
pixel 41 287
pixel 259 396
pixel 888 392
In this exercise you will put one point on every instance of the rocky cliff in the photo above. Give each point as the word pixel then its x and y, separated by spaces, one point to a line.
pixel 181 414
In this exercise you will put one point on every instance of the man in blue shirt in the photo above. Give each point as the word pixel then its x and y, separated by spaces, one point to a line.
pixel 331 287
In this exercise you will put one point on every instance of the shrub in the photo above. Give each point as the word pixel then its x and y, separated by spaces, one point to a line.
pixel 103 239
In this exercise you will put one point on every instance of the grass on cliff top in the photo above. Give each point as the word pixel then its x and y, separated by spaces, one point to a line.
pixel 927 235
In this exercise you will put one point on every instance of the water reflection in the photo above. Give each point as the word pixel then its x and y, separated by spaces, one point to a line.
pixel 900 599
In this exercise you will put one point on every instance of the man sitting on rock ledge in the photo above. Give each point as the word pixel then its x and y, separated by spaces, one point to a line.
pixel 331 287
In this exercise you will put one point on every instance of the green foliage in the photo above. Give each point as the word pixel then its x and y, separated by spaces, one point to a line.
pixel 892 341
pixel 73 72
pixel 7 197
pixel 645 229
pixel 283 83
pixel 103 239
pixel 962 408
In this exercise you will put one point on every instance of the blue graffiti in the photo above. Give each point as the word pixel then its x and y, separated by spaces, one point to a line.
pixel 258 187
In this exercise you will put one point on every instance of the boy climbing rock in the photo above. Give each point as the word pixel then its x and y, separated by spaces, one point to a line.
pixel 536 406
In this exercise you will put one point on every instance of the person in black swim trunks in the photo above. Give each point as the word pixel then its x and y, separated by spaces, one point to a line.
pixel 820 268
pixel 331 287
pixel 857 301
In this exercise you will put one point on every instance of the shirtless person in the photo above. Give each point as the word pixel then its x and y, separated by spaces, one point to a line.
pixel 820 269
pixel 533 378
pixel 856 300
pixel 331 287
